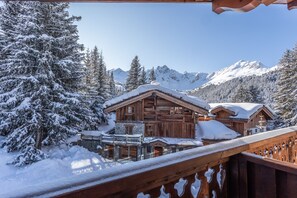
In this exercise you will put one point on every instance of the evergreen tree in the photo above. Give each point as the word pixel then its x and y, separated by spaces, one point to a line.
pixel 112 89
pixel 152 75
pixel 134 74
pixel 102 79
pixel 38 80
pixel 242 95
pixel 94 68
pixel 142 78
pixel 255 94
pixel 88 69
pixel 285 96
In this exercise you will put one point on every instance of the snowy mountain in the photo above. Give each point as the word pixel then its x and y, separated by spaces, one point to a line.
pixel 173 79
pixel 168 78
pixel 239 69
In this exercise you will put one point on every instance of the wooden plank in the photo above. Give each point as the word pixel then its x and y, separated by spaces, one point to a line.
pixel 292 5
pixel 219 6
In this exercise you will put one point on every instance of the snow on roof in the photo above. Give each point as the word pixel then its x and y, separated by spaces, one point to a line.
pixel 174 141
pixel 214 130
pixel 151 87
pixel 241 110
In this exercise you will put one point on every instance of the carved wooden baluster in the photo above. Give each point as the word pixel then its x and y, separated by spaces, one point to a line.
pixel 214 187
pixel 275 152
pixel 204 189
pixel 180 187
pixel 190 180
pixel 195 187
pixel 221 179
pixel 169 188
pixel 290 151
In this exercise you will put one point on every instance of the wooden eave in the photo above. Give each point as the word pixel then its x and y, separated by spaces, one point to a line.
pixel 218 6
pixel 221 108
pixel 266 111
pixel 173 99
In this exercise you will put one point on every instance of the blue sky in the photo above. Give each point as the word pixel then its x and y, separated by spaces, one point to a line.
pixel 185 37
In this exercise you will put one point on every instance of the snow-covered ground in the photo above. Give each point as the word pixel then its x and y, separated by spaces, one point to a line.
pixel 63 162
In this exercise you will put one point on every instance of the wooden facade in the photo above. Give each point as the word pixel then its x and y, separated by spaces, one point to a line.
pixel 162 118
pixel 151 123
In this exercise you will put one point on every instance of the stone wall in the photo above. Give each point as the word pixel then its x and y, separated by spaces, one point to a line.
pixel 137 128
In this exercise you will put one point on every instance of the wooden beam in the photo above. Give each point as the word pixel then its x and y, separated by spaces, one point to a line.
pixel 292 5
pixel 268 2
pixel 219 6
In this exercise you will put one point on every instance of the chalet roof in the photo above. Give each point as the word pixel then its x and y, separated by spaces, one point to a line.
pixel 214 130
pixel 242 110
pixel 152 87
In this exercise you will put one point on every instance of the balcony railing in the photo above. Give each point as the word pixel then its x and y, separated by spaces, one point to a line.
pixel 225 169
pixel 123 139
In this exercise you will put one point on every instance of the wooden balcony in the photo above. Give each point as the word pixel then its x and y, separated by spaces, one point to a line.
pixel 260 165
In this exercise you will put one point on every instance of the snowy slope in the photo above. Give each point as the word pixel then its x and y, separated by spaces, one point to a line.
pixel 239 69
pixel 173 79
pixel 63 163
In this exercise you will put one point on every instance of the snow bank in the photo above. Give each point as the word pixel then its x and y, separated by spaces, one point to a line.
pixel 214 130
pixel 241 110
pixel 151 87
pixel 63 163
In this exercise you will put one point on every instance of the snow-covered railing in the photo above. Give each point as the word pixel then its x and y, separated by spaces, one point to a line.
pixel 217 170
pixel 122 139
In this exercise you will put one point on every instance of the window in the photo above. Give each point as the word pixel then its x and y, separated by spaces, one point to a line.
pixel 129 129
pixel 130 109
pixel 176 110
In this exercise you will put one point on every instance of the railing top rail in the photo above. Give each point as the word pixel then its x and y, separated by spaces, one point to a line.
pixel 157 170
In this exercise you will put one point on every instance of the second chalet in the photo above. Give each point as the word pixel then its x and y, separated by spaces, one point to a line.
pixel 152 120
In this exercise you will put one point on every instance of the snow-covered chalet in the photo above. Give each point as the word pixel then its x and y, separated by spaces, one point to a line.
pixel 245 118
pixel 152 120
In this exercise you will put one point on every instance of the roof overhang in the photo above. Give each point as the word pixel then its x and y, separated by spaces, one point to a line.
pixel 221 108
pixel 218 6
pixel 173 99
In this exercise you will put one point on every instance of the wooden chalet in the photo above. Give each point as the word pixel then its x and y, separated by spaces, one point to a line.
pixel 151 120
pixel 245 118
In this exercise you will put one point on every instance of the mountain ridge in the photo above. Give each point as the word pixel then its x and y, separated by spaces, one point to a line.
pixel 173 79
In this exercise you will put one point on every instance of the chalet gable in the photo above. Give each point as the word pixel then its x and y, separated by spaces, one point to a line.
pixel 242 111
pixel 145 91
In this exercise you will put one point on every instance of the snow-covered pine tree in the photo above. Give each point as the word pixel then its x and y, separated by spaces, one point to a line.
pixel 242 95
pixel 142 78
pixel 112 88
pixel 8 16
pixel 134 74
pixel 152 75
pixel 102 79
pixel 88 68
pixel 284 100
pixel 38 81
pixel 94 68
pixel 255 94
